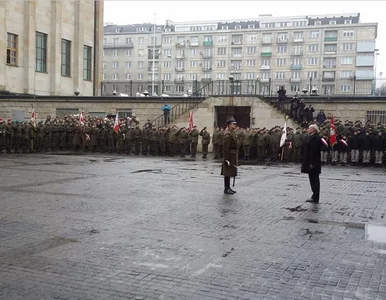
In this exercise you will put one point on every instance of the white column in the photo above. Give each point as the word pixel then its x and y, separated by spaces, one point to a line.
pixel 55 47
pixel 78 46
pixel 29 46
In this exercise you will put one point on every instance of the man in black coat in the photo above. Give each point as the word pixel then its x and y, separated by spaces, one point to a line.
pixel 312 161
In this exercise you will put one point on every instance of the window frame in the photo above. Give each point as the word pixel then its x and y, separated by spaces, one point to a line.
pixel 12 49
pixel 65 66
pixel 41 52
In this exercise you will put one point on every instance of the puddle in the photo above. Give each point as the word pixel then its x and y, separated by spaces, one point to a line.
pixel 375 233
pixel 147 171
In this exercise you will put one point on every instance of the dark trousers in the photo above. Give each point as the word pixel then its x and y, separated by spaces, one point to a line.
pixel 315 185
pixel 193 149
pixel 227 182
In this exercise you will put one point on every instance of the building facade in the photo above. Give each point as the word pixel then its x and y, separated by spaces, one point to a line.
pixel 332 53
pixel 51 47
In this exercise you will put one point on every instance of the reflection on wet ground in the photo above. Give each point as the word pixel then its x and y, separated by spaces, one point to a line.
pixel 376 233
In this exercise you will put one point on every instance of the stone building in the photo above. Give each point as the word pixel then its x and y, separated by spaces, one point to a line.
pixel 335 54
pixel 51 47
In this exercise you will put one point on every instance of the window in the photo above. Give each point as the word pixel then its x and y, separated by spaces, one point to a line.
pixel 140 64
pixel 345 88
pixel 298 36
pixel 296 62
pixel 349 33
pixel 347 21
pixel 167 40
pixel 267 62
pixel 282 49
pixel 115 41
pixel 295 88
pixel 103 76
pixel 141 40
pixel 236 64
pixel 128 52
pixel 220 76
pixel 208 38
pixel 251 76
pixel 296 74
pixel 153 40
pixel 115 76
pixel 207 76
pixel 129 41
pixel 318 23
pixel 115 52
pixel 312 74
pixel 87 63
pixel 279 75
pixel 179 88
pixel 332 22
pixel 329 62
pixel 66 58
pixel 221 51
pixel 167 52
pixel 41 52
pixel 330 48
pixel 280 61
pixel 238 27
pixel 236 51
pixel 251 50
pixel 251 62
pixel 104 52
pixel 128 76
pixel 104 65
pixel 221 64
pixel 166 76
pixel 128 64
pixel 267 38
pixel 11 49
pixel 224 27
pixel 346 74
pixel 251 37
pixel 115 65
pixel 265 75
pixel 313 48
pixel 312 61
pixel 222 39
pixel 329 75
pixel 347 46
pixel 167 64
pixel 315 34
pixel 193 76
pixel 346 60
pixel 251 26
pixel 194 63
pixel 194 51
pixel 139 76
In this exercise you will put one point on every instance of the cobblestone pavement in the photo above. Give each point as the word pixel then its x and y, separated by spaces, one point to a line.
pixel 110 227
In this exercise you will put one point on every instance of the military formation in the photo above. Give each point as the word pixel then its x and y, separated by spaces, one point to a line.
pixel 356 143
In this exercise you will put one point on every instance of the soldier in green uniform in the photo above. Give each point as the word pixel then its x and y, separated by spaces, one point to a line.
pixel 94 137
pixel 145 140
pixel 137 140
pixel 183 140
pixel 8 136
pixel 247 143
pixel 230 156
pixel 205 142
pixel 39 137
pixel 194 141
pixel 297 145
pixel 2 135
pixel 216 141
pixel 153 141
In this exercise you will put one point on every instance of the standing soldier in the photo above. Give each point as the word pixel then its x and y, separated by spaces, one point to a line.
pixel 216 141
pixel 162 140
pixel 137 140
pixel 379 147
pixel 153 141
pixel 111 138
pixel 2 135
pixel 39 137
pixel 297 144
pixel 230 155
pixel 194 141
pixel 33 131
pixel 77 137
pixel 183 140
pixel 94 137
pixel 247 142
pixel 275 142
pixel 145 140
pixel 8 136
pixel 205 142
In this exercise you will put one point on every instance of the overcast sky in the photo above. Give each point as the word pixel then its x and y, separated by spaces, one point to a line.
pixel 129 12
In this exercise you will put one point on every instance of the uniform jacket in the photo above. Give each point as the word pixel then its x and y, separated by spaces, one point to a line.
pixel 230 153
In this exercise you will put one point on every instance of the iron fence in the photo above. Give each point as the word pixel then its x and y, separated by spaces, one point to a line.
pixel 264 87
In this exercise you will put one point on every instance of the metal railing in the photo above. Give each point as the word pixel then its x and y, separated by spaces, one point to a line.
pixel 327 86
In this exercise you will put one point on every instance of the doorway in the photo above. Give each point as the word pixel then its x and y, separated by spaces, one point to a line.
pixel 240 113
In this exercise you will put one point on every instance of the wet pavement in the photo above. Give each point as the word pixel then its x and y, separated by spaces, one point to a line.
pixel 111 227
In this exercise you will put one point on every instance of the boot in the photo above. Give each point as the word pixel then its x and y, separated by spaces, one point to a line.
pixel 228 191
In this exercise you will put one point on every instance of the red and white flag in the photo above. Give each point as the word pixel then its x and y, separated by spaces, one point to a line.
pixel 344 142
pixel 116 124
pixel 81 118
pixel 332 132
pixel 190 125
pixel 33 116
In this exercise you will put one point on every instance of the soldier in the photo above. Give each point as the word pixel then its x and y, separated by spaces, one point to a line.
pixel 172 133
pixel 94 137
pixel 297 145
pixel 379 147
pixel 128 140
pixel 18 137
pixel 230 155
pixel 145 140
pixel 32 135
pixel 86 137
pixel 216 141
pixel 354 146
pixel 342 149
pixel 39 137
pixel 77 137
pixel 183 140
pixel 194 141
pixel 47 135
pixel 247 142
pixel 61 135
pixel 366 145
pixel 54 135
pixel 205 142
pixel 153 141
pixel 324 151
pixel 2 135
pixel 120 139
pixel 111 138
pixel 260 145
pixel 275 142
pixel 8 136
pixel 137 140
pixel 162 141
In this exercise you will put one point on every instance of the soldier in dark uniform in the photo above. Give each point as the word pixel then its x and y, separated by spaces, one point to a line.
pixel 312 161
pixel 194 141
pixel 137 140
pixel 205 142
pixel 230 156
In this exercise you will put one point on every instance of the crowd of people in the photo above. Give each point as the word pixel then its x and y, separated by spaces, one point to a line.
pixel 355 143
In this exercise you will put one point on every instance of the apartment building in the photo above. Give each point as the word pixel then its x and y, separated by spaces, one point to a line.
pixel 51 47
pixel 332 53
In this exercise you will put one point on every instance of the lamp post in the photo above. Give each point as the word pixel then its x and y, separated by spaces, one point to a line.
pixel 376 53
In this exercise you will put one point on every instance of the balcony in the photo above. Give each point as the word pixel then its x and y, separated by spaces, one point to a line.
pixel 295 79
pixel 236 69
pixel 206 69
pixel 194 44
pixel 180 69
pixel 330 38
pixel 296 67
pixel 329 66
pixel 329 52
pixel 118 45
pixel 266 41
pixel 206 56
pixel 207 43
pixel 264 80
pixel 265 67
pixel 151 56
pixel 266 54
pixel 180 56
pixel 179 80
pixel 282 40
pixel 328 79
pixel 235 43
pixel 298 40
pixel 297 53
pixel 180 44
